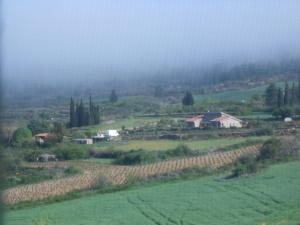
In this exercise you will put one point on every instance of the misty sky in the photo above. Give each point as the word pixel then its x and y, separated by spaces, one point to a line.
pixel 82 38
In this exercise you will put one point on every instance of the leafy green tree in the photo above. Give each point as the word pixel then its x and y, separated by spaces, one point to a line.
pixel 58 131
pixel 20 136
pixel 38 126
pixel 271 95
pixel 283 112
pixel 188 99
pixel 113 96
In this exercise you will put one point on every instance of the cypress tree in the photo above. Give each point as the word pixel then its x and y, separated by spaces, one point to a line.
pixel 298 92
pixel 113 96
pixel 271 95
pixel 279 98
pixel 86 120
pixel 188 99
pixel 293 99
pixel 97 114
pixel 286 99
pixel 91 112
pixel 72 113
pixel 81 114
pixel 77 115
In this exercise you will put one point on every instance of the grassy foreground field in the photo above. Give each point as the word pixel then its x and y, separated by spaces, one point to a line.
pixel 271 197
pixel 169 144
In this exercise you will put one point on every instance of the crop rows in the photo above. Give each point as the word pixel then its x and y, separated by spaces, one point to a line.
pixel 116 175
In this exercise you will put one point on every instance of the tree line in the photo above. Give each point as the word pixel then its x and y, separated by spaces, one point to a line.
pixel 80 115
pixel 277 97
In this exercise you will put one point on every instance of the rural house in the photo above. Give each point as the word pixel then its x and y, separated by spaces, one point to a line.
pixel 41 138
pixel 214 119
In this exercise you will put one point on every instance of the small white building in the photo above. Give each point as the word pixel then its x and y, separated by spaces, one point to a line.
pixel 288 119
pixel 84 141
pixel 111 133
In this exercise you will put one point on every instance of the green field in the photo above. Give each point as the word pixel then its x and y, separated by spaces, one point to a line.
pixel 155 145
pixel 129 123
pixel 236 95
pixel 271 197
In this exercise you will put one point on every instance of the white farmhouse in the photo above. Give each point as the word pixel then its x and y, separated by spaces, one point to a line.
pixel 214 119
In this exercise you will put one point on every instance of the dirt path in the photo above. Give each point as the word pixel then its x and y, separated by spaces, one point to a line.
pixel 94 173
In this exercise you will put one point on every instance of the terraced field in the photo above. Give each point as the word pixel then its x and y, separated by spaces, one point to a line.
pixel 117 175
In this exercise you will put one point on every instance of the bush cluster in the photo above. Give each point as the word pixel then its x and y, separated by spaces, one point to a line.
pixel 69 152
pixel 142 156
pixel 273 150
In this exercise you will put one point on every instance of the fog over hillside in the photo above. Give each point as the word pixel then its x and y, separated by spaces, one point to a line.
pixel 64 40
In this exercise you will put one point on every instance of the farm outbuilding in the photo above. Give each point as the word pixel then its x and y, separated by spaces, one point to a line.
pixel 84 141
pixel 46 157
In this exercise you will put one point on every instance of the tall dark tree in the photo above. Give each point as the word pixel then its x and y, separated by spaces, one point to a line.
pixel 286 98
pixel 298 92
pixel 86 119
pixel 158 92
pixel 72 114
pixel 84 116
pixel 80 114
pixel 188 99
pixel 271 95
pixel 279 98
pixel 91 112
pixel 97 114
pixel 113 96
pixel 293 98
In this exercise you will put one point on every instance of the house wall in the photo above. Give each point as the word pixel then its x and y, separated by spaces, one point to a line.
pixel 229 122
pixel 194 124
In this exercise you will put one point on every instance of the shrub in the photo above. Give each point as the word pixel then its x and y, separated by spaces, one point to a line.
pixel 102 183
pixel 32 155
pixel 105 154
pixel 71 170
pixel 283 112
pixel 264 131
pixel 271 150
pixel 136 157
pixel 180 150
pixel 69 152
pixel 246 165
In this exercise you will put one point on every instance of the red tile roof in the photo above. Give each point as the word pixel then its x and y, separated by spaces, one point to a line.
pixel 42 135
